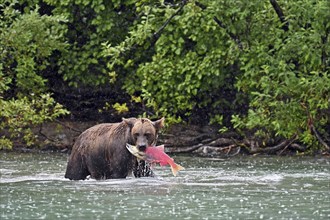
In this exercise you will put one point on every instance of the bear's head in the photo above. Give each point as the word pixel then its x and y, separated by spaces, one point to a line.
pixel 144 132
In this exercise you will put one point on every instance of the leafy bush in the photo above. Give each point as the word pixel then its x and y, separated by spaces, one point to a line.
pixel 182 67
pixel 261 66
pixel 189 55
pixel 285 71
pixel 27 42
pixel 18 116
pixel 89 24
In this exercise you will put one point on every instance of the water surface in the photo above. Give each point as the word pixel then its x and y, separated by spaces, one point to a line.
pixel 33 187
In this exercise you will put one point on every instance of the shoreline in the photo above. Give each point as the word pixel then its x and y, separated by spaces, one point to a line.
pixel 205 141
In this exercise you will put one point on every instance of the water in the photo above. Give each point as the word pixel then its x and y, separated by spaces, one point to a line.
pixel 33 187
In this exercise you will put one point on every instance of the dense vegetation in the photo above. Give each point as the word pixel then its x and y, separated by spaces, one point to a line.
pixel 261 68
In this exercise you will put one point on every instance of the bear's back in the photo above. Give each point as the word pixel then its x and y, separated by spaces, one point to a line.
pixel 104 132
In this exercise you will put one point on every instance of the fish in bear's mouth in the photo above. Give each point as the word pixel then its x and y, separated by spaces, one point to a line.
pixel 153 155
pixel 136 152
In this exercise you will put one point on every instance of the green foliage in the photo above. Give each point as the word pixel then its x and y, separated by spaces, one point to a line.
pixel 286 73
pixel 120 108
pixel 90 23
pixel 27 42
pixel 18 116
pixel 183 68
pixel 187 57
pixel 240 64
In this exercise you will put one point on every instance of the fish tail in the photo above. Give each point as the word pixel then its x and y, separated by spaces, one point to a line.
pixel 175 168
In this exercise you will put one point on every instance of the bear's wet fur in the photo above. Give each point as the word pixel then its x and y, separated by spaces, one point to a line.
pixel 101 152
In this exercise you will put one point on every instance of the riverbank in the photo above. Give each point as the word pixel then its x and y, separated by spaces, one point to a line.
pixel 206 141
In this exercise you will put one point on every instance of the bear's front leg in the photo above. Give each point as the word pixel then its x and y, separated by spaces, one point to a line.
pixel 142 169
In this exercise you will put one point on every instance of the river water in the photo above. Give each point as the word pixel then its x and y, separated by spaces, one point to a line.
pixel 32 186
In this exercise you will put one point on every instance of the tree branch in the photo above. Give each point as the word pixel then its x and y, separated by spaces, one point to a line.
pixel 222 25
pixel 184 149
pixel 157 33
pixel 67 126
pixel 275 148
pixel 324 52
pixel 319 138
pixel 45 136
pixel 155 36
pixel 231 35
pixel 280 14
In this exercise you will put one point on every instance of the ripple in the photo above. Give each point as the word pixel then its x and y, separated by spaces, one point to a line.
pixel 37 178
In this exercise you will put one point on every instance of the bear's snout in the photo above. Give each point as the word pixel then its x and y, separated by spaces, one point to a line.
pixel 142 147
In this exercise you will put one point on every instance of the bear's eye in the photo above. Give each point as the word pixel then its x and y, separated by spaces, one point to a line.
pixel 148 135
pixel 136 135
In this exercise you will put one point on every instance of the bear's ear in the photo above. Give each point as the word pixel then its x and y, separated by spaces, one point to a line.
pixel 159 123
pixel 129 121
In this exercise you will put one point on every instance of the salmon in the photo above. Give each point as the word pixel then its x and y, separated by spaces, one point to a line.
pixel 155 154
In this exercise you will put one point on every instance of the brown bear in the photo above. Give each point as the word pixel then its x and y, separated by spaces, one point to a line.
pixel 101 151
